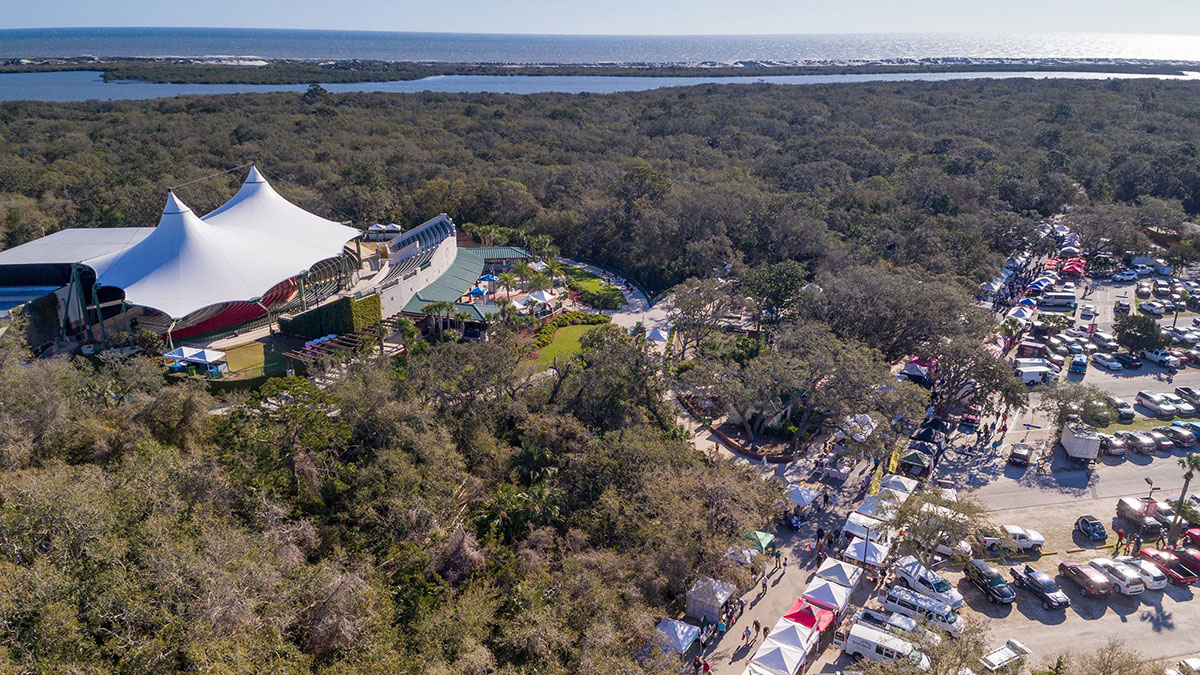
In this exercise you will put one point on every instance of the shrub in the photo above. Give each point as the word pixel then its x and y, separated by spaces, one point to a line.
pixel 545 334
pixel 344 315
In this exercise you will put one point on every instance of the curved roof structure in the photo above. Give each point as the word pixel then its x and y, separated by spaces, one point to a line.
pixel 257 206
pixel 187 264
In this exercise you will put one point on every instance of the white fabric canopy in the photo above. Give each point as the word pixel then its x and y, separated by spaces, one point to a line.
pixel 676 635
pixel 778 659
pixel 792 634
pixel 544 297
pixel 866 527
pixel 877 508
pixel 899 483
pixel 801 496
pixel 869 553
pixel 839 572
pixel 257 206
pixel 195 355
pixel 825 593
pixel 656 335
pixel 245 248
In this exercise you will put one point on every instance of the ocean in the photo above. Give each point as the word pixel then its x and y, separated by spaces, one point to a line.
pixel 575 49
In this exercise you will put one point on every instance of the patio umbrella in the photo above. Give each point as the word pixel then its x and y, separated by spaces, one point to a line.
pixel 478 292
pixel 761 539
pixel 490 278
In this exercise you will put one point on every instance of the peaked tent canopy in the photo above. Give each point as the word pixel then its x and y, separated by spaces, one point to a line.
pixel 544 297
pixel 672 634
pixel 761 539
pixel 878 508
pixel 825 593
pixel 257 206
pixel 792 634
pixel 195 355
pixel 839 572
pixel 809 616
pixel 777 658
pixel 801 496
pixel 869 553
pixel 656 335
pixel 899 484
pixel 707 597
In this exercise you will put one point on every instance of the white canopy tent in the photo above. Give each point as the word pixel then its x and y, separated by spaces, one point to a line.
pixel 801 496
pixel 777 659
pixel 877 508
pixel 866 527
pixel 825 593
pixel 243 249
pixel 792 634
pixel 675 635
pixel 195 355
pixel 839 572
pixel 656 335
pixel 899 484
pixel 868 553
pixel 544 297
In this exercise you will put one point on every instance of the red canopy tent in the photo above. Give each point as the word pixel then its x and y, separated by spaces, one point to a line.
pixel 1051 264
pixel 809 616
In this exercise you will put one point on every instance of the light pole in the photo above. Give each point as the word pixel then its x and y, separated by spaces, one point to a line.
pixel 1150 482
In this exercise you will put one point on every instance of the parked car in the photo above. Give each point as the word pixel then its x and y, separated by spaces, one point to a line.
pixel 1133 511
pixel 1164 442
pixel 1152 577
pixel 1091 527
pixel 1088 578
pixel 1182 407
pixel 1192 536
pixel 1124 580
pixel 1190 558
pixel 1128 361
pixel 1111 445
pixel 926 582
pixel 1125 275
pixel 1138 441
pixel 1125 411
pixel 1151 307
pixel 1180 436
pixel 1042 586
pixel 1020 455
pixel 1107 360
pixel 1177 573
pixel 897 624
pixel 989 580
pixel 1193 427
pixel 1188 394
pixel 1087 311
pixel 1161 357
pixel 1121 307
pixel 1155 403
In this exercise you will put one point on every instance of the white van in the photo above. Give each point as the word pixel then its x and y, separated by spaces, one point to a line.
pixel 1156 403
pixel 868 642
pixel 1035 363
pixel 1036 375
pixel 923 608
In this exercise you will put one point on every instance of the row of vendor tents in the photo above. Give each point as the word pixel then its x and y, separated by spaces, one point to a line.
pixel 794 639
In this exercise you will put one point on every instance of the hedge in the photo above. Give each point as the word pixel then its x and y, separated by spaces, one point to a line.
pixel 41 319
pixel 545 334
pixel 344 315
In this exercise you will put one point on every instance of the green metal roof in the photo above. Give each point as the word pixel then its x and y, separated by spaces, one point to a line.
pixel 459 278
pixel 500 252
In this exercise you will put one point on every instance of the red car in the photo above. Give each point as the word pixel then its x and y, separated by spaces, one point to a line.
pixel 1088 578
pixel 1192 536
pixel 1177 573
pixel 1190 558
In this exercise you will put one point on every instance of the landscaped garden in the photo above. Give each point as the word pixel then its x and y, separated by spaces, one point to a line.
pixel 593 290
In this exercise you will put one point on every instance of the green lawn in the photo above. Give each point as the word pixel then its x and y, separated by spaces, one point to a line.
pixel 252 359
pixel 566 341
pixel 586 281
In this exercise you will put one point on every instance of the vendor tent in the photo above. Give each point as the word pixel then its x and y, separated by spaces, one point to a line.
pixel 707 598
pixel 792 634
pixel 761 539
pixel 752 669
pixel 195 355
pixel 778 659
pixel 477 292
pixel 825 593
pixel 865 527
pixel 544 297
pixel 930 449
pixel 801 496
pixel 671 634
pixel 930 435
pixel 809 616
pixel 869 553
pixel 1027 302
pixel 839 572
pixel 878 508
pixel 899 484
pixel 656 335
pixel 917 459
pixel 489 278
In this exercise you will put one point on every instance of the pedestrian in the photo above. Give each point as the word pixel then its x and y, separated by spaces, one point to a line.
pixel 1120 540
pixel 834 500
pixel 766 632
pixel 825 500
pixel 696 665
pixel 820 546
pixel 785 565
pixel 1159 542
pixel 764 586
pixel 1003 429
pixel 820 533
pixel 741 606
pixel 1137 544
pixel 746 635
pixel 829 539
pixel 757 628
pixel 707 668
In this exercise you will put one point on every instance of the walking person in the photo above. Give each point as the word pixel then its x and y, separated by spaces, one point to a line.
pixel 746 636
pixel 764 586
pixel 696 665
pixel 757 628
pixel 777 558
pixel 1120 539
pixel 784 567
pixel 706 668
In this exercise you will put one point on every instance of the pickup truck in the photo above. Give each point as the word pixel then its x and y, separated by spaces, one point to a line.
pixel 1009 653
pixel 1041 585
pixel 1016 537
pixel 1177 573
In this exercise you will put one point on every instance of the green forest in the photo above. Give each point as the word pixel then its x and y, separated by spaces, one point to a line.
pixel 446 512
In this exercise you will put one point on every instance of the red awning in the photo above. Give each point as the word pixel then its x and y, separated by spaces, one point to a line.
pixel 809 616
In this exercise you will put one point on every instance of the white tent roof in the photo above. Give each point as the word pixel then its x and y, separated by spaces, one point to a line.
pixel 778 659
pixel 877 507
pixel 871 553
pixel 861 525
pixel 801 496
pixel 676 635
pixel 195 355
pixel 257 206
pixel 544 297
pixel 825 593
pixel 656 335
pixel 187 263
pixel 839 572
pixel 899 483
pixel 792 634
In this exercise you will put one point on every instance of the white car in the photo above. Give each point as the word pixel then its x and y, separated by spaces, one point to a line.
pixel 1087 312
pixel 1152 577
pixel 1182 407
pixel 1125 579
pixel 1106 360
pixel 1143 270
pixel 927 582
pixel 1151 307
pixel 1125 275
pixel 1068 287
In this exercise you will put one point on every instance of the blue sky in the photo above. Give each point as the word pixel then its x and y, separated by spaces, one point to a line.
pixel 624 16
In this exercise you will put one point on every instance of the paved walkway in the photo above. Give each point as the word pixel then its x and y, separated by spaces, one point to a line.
pixel 637 307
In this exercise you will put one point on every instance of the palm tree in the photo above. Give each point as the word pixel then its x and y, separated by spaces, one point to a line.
pixel 462 318
pixel 523 270
pixel 1190 463
pixel 508 312
pixel 540 282
pixel 439 309
pixel 507 281
pixel 555 269
pixel 1011 327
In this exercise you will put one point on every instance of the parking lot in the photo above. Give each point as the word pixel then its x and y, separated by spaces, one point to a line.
pixel 1051 494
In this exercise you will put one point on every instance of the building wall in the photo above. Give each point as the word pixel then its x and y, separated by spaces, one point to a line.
pixel 395 298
